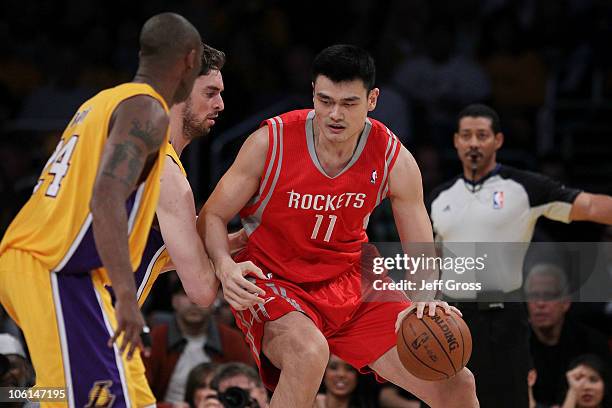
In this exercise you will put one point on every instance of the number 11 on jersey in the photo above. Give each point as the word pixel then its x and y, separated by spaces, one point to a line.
pixel 330 227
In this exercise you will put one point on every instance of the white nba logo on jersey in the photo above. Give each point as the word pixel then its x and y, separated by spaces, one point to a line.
pixel 498 200
pixel 373 177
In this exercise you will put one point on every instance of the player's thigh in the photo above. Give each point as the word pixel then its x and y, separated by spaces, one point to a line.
pixel 390 368
pixel 27 295
pixel 294 337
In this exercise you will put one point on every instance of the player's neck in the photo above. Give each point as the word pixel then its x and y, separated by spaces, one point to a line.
pixel 480 173
pixel 179 143
pixel 165 89
pixel 334 156
pixel 177 138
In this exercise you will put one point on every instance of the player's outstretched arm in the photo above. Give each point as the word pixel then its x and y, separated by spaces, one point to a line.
pixel 592 207
pixel 231 194
pixel 137 130
pixel 176 216
pixel 413 226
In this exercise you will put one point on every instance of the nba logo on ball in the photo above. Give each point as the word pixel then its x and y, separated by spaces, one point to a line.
pixel 498 200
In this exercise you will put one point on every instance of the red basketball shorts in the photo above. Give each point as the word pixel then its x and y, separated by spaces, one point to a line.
pixel 358 332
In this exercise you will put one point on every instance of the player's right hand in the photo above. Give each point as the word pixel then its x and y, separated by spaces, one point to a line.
pixel 576 378
pixel 238 291
pixel 419 307
pixel 129 324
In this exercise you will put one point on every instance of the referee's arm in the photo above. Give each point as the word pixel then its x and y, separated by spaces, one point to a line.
pixel 592 207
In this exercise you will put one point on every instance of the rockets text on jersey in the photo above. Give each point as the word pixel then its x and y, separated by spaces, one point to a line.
pixel 304 225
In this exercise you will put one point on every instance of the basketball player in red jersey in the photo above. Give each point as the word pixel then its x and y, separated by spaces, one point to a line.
pixel 305 184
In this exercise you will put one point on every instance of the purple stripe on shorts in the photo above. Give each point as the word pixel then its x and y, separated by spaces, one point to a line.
pixel 154 242
pixel 91 360
pixel 86 256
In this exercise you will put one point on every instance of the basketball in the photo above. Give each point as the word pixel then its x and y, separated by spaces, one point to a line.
pixel 434 348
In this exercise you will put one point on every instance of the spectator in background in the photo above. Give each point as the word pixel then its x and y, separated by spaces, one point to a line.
pixel 238 375
pixel 556 339
pixel 532 378
pixel 517 72
pixel 518 76
pixel 16 370
pixel 440 81
pixel 55 102
pixel 7 325
pixel 198 387
pixel 392 396
pixel 588 381
pixel 341 387
pixel 192 337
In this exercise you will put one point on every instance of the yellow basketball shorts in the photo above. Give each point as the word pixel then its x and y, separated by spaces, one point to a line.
pixel 67 320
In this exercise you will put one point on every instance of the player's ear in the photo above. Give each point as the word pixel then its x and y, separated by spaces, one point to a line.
pixel 372 99
pixel 190 59
pixel 456 140
pixel 499 140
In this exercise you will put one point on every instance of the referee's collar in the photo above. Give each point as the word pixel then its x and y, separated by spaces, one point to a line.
pixel 480 181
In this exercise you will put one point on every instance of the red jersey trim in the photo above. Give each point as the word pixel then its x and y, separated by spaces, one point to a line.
pixel 251 215
pixel 390 155
pixel 394 157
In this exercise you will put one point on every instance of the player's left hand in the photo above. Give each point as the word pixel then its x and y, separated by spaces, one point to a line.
pixel 420 310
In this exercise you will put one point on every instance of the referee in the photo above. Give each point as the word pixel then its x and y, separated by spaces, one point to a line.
pixel 491 202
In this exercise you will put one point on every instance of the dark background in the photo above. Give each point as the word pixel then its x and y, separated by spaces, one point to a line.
pixel 545 65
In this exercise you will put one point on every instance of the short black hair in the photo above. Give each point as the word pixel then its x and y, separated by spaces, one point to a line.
pixel 479 110
pixel 212 59
pixel 345 62
pixel 168 35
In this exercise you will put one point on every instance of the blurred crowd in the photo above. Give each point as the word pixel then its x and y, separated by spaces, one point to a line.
pixel 526 58
pixel 433 58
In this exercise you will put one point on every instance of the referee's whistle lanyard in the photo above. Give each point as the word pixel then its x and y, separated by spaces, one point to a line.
pixel 475 186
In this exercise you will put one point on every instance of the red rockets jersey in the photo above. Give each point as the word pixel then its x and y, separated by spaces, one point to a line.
pixel 303 225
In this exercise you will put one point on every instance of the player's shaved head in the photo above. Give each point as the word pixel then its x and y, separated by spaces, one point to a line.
pixel 167 36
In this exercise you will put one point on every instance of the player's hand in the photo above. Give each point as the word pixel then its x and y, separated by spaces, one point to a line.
pixel 239 292
pixel 420 310
pixel 129 326
pixel 237 240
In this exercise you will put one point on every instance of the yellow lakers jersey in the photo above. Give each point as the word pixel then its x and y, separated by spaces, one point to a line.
pixel 55 225
pixel 170 152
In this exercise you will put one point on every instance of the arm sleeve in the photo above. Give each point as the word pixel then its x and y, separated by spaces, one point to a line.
pixel 547 197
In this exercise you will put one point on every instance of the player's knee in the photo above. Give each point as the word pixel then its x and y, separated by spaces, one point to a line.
pixel 464 383
pixel 459 391
pixel 466 380
pixel 311 349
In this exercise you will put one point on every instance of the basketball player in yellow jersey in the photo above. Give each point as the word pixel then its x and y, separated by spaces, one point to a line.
pixel 86 224
pixel 176 244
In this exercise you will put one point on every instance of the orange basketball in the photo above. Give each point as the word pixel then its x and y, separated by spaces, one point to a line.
pixel 434 348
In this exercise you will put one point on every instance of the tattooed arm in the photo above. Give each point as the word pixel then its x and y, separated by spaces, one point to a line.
pixel 136 132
